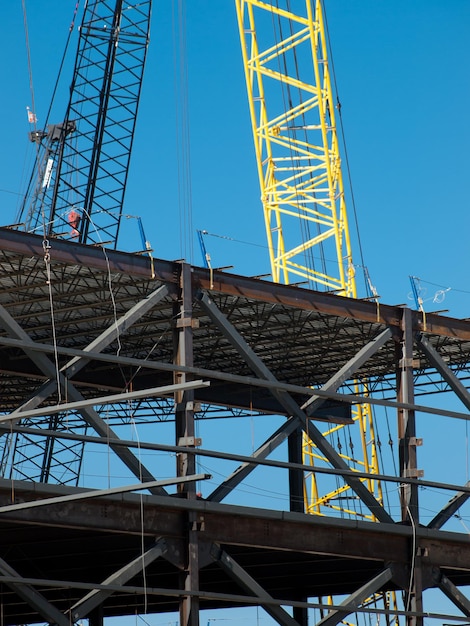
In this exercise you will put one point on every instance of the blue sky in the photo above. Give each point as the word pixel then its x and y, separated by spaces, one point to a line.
pixel 402 75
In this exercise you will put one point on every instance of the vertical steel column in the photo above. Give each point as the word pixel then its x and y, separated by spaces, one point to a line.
pixel 96 618
pixel 185 436
pixel 296 497
pixel 408 465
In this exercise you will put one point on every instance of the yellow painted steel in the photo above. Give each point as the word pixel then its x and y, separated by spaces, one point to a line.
pixel 292 110
pixel 299 168
pixel 296 144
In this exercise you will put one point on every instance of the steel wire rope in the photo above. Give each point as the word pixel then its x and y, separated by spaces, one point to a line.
pixel 286 94
pixel 305 227
pixel 380 463
pixel 183 145
pixel 35 170
pixel 306 224
pixel 33 100
pixel 46 245
pixel 256 245
pixel 345 148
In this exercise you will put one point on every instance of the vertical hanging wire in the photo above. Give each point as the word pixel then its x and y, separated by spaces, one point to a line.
pixel 367 283
pixel 183 144
pixel 33 100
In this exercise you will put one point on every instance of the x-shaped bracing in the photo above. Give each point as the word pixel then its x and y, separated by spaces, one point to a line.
pixel 75 364
pixel 298 415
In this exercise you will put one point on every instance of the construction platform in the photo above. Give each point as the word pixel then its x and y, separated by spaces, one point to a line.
pixel 87 333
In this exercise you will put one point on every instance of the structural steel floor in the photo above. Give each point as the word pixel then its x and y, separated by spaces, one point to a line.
pixel 63 296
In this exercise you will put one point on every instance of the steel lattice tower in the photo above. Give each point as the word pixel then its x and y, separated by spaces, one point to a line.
pixel 83 162
pixel 79 184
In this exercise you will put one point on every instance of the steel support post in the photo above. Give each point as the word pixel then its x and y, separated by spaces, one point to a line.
pixel 186 436
pixel 296 478
pixel 96 617
pixel 296 499
pixel 408 465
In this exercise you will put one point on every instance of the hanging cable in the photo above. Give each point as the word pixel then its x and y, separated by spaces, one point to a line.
pixel 343 138
pixel 64 55
pixel 183 144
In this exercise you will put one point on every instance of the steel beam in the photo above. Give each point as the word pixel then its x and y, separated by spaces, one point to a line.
pixel 140 267
pixel 100 493
pixel 88 413
pixel 185 432
pixel 111 399
pixel 353 602
pixel 247 582
pixel 33 597
pixel 278 437
pixel 231 378
pixel 96 597
pixel 347 371
pixel 291 406
pixel 454 595
pixel 408 466
pixel 450 508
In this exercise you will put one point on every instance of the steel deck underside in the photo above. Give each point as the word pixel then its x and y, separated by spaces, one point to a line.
pixel 292 555
pixel 303 337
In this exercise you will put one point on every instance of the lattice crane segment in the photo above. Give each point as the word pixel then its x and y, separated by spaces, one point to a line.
pixel 77 190
pixel 296 143
pixel 84 161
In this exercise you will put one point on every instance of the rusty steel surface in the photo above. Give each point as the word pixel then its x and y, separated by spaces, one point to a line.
pixel 63 296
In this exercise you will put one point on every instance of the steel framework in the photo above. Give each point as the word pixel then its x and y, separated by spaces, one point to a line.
pixel 296 143
pixel 79 180
pixel 199 338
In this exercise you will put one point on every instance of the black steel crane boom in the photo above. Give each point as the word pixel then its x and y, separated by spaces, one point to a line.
pixel 83 162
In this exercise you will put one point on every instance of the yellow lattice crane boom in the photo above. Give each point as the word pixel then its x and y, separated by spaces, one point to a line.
pixel 296 144
pixel 299 166
pixel 292 109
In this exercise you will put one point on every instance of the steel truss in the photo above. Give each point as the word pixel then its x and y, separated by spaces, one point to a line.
pixel 83 162
pixel 200 338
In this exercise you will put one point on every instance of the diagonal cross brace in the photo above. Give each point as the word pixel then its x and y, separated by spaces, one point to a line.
pixel 97 345
pixel 96 597
pixel 461 392
pixel 88 413
pixel 454 594
pixel 33 597
pixel 348 370
pixel 450 508
pixel 278 437
pixel 247 582
pixel 353 602
pixel 312 405
pixel 447 374
pixel 291 407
